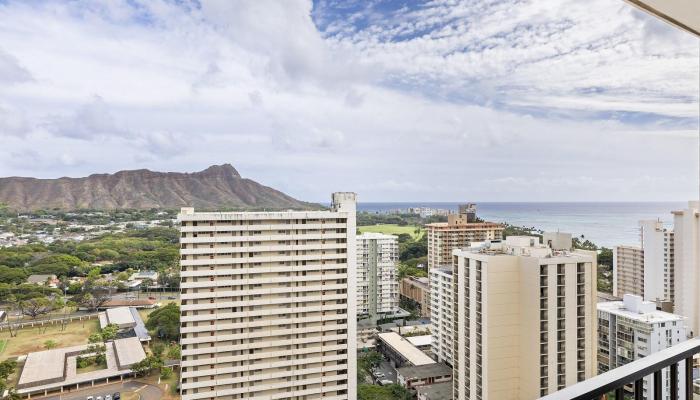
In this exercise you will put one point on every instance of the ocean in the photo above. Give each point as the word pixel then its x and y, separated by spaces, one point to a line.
pixel 604 223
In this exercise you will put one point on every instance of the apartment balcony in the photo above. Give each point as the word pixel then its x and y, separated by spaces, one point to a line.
pixel 679 359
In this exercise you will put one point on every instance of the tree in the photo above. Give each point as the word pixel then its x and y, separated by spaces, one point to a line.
pixel 7 367
pixel 12 275
pixel 50 344
pixel 165 322
pixel 93 301
pixel 158 348
pixel 146 365
pixel 109 332
pixel 36 307
pixel 96 347
pixel 174 352
pixel 366 363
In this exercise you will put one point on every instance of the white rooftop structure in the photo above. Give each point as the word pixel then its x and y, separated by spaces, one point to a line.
pixel 402 346
pixel 120 316
pixel 420 341
pixel 128 351
pixel 635 308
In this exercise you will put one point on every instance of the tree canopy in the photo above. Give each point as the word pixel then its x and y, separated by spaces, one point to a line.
pixel 165 322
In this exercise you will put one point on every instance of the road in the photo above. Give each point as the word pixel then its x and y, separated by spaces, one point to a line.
pixel 147 392
pixel 388 371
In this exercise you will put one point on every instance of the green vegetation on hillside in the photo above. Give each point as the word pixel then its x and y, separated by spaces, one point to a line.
pixel 388 392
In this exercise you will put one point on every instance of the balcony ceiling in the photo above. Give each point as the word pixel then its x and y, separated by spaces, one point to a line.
pixel 684 14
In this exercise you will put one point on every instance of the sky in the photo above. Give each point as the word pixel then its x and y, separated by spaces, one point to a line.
pixel 477 100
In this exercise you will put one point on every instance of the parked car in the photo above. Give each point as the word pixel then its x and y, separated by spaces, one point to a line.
pixel 151 297
pixel 172 298
pixel 385 382
pixel 89 398
pixel 98 398
pixel 379 375
pixel 108 397
pixel 116 396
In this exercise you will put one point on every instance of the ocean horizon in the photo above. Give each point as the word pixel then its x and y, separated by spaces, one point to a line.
pixel 604 223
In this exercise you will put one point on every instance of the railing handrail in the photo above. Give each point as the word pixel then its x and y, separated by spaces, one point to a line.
pixel 628 373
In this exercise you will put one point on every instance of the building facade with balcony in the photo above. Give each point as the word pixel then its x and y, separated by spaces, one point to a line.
pixel 441 313
pixel 415 291
pixel 632 329
pixel 659 266
pixel 524 319
pixel 377 271
pixel 268 303
pixel 686 229
pixel 628 270
pixel 458 232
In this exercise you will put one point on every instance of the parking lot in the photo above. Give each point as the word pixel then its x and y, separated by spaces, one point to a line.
pixel 388 371
pixel 147 392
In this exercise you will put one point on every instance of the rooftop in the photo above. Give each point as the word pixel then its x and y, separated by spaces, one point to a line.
pixel 128 351
pixel 437 391
pixel 402 346
pixel 425 371
pixel 633 307
pixel 120 316
pixel 418 341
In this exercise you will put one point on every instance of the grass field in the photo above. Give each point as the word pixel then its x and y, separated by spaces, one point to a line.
pixel 32 339
pixel 3 344
pixel 391 229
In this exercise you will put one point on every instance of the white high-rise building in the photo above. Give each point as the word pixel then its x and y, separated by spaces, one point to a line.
pixel 525 319
pixel 377 271
pixel 632 329
pixel 441 313
pixel 687 265
pixel 658 246
pixel 268 303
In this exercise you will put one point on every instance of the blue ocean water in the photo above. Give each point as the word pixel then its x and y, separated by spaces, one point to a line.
pixel 604 223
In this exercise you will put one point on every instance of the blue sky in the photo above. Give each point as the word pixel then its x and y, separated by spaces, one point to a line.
pixel 508 100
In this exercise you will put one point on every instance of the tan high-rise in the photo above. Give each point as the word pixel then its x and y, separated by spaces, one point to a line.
pixel 458 232
pixel 268 304
pixel 628 270
pixel 525 319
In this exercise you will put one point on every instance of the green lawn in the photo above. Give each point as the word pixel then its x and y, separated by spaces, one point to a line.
pixel 3 344
pixel 391 229
pixel 32 339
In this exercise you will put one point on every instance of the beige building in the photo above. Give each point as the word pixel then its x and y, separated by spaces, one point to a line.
pixel 441 323
pixel 628 270
pixel 525 319
pixel 417 292
pixel 268 303
pixel 458 232
pixel 687 265
pixel 377 285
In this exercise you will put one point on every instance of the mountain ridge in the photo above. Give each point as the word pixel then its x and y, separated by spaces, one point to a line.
pixel 216 187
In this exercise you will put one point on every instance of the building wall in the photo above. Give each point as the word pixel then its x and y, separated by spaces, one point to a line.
pixel 622 339
pixel 416 290
pixel 687 287
pixel 441 313
pixel 658 246
pixel 508 306
pixel 444 237
pixel 377 261
pixel 628 271
pixel 266 311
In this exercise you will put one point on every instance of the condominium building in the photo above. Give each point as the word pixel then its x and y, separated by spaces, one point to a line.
pixel 377 285
pixel 628 270
pixel 458 232
pixel 415 292
pixel 441 313
pixel 524 319
pixel 687 265
pixel 268 303
pixel 632 329
pixel 658 247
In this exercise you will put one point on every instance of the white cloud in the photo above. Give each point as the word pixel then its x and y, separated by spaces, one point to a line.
pixel 446 101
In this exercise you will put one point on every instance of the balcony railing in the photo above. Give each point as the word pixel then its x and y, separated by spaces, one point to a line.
pixel 634 373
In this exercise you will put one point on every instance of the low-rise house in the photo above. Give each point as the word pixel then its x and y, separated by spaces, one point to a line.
pixel 400 351
pixel 53 371
pixel 128 320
